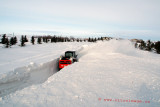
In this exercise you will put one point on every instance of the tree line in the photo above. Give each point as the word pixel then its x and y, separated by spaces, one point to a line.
pixel 140 44
pixel 9 41
pixel 148 46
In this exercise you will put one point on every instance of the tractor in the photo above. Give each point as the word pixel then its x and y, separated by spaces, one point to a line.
pixel 69 58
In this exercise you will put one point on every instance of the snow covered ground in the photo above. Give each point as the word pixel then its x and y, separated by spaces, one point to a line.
pixel 34 64
pixel 108 74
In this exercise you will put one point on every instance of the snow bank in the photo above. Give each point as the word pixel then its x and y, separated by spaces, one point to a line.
pixel 111 70
pixel 26 76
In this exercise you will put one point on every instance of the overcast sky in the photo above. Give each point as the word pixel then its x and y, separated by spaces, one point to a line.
pixel 119 18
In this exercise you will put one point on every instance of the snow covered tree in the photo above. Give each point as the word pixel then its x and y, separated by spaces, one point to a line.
pixel 135 45
pixel 142 45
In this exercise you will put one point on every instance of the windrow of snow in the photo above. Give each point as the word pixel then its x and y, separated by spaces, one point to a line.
pixel 108 74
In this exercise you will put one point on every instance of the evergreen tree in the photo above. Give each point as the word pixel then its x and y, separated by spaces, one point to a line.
pixel 73 39
pixel 11 41
pixel 68 40
pixel 142 45
pixel 25 39
pixel 148 47
pixel 89 40
pixel 95 40
pixel 55 39
pixel 65 39
pixel 52 39
pixel 157 47
pixel 4 39
pixel 46 40
pixel 92 40
pixel 32 40
pixel 15 40
pixel 152 45
pixel 39 40
pixel 135 45
pixel 102 38
pixel 7 43
pixel 22 41
pixel 61 39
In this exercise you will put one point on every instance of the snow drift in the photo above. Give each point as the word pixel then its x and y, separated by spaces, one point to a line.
pixel 112 70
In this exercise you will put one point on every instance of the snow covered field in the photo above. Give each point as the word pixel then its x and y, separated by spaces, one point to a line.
pixel 108 74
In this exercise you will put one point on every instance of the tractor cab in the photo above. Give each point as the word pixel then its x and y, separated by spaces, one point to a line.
pixel 69 58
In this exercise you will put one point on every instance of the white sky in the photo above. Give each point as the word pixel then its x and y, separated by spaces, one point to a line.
pixel 122 18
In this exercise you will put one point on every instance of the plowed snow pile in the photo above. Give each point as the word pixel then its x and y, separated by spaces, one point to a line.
pixel 108 74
